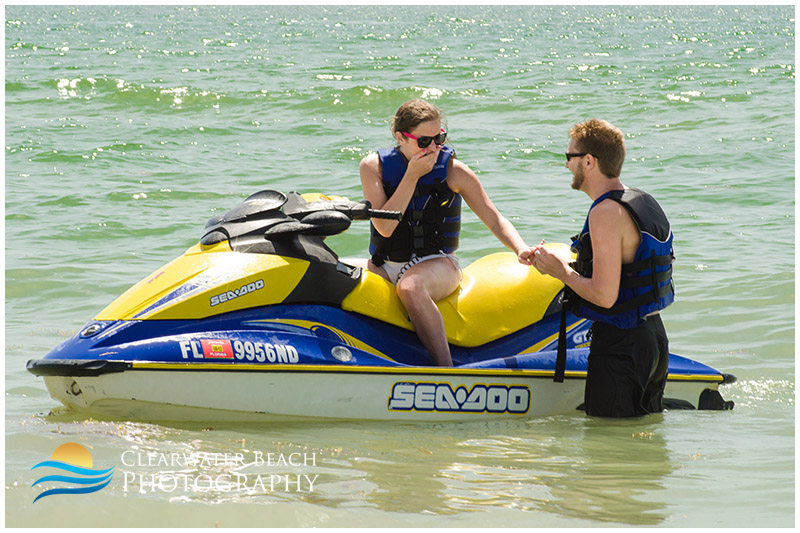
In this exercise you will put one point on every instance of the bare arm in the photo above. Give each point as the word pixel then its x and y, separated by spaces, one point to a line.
pixel 610 229
pixel 464 181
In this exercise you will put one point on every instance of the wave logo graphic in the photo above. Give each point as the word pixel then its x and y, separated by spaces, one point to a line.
pixel 75 461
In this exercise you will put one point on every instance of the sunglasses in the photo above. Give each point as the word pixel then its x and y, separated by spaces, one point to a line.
pixel 424 142
pixel 570 155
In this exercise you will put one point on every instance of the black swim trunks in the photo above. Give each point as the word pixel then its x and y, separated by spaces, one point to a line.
pixel 627 369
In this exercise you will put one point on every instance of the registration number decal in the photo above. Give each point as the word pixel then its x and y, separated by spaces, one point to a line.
pixel 260 352
pixel 441 397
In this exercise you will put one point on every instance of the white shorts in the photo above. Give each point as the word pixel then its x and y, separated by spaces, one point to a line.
pixel 395 269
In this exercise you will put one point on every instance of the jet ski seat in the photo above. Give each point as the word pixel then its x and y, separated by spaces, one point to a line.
pixel 497 296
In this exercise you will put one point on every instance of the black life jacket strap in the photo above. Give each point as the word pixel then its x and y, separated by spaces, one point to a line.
pixel 648 262
pixel 585 267
pixel 376 258
pixel 653 279
pixel 561 352
pixel 642 299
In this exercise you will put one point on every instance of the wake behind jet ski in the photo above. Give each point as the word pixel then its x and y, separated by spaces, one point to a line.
pixel 261 320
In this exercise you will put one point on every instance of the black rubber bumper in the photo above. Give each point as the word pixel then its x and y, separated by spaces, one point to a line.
pixel 75 367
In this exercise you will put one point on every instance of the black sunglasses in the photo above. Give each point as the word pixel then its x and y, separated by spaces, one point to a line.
pixel 570 155
pixel 424 142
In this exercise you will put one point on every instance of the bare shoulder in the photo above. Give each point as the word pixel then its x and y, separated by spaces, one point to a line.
pixel 457 165
pixel 370 169
pixel 460 176
pixel 608 218
pixel 371 162
pixel 609 210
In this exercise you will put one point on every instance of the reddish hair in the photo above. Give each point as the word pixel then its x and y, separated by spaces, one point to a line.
pixel 604 141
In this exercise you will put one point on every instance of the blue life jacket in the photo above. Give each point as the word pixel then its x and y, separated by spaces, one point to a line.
pixel 431 222
pixel 646 284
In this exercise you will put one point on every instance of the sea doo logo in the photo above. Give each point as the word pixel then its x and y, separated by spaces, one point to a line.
pixel 413 396
pixel 230 295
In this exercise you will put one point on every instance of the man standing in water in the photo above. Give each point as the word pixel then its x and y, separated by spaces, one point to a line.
pixel 621 279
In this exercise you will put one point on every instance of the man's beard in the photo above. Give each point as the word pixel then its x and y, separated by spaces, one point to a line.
pixel 577 178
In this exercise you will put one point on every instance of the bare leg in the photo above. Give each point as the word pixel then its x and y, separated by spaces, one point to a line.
pixel 419 289
pixel 372 267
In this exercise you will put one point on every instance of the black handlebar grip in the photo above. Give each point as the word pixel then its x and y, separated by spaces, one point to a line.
pixel 387 215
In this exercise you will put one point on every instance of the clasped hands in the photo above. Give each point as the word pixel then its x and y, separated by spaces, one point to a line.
pixel 546 261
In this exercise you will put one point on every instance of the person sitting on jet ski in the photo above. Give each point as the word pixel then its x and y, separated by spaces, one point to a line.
pixel 422 178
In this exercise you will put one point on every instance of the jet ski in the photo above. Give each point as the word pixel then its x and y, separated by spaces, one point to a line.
pixel 261 320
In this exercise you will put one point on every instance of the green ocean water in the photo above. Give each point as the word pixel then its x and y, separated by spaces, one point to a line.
pixel 127 127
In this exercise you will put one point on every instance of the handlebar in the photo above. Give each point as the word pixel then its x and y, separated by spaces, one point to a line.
pixel 385 215
pixel 363 211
